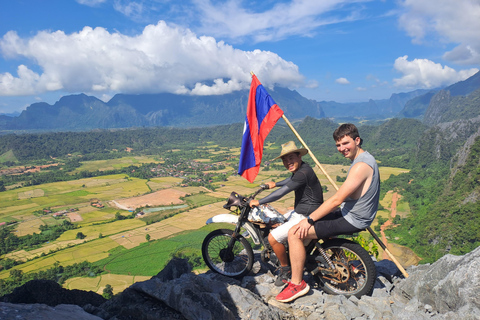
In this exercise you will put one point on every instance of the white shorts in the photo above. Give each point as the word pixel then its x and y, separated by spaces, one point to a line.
pixel 280 233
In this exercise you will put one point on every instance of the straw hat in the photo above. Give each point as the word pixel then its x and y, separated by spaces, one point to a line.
pixel 290 147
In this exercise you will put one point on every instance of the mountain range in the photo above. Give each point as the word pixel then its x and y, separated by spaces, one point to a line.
pixel 81 112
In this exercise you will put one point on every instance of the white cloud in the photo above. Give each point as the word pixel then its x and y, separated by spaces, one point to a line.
pixel 160 59
pixel 131 9
pixel 219 87
pixel 311 84
pixel 449 21
pixel 91 3
pixel 342 81
pixel 298 17
pixel 424 73
pixel 238 20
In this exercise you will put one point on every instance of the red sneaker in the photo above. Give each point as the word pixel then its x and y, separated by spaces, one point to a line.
pixel 293 291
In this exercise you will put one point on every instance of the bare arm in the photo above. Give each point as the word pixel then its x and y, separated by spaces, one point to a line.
pixel 359 174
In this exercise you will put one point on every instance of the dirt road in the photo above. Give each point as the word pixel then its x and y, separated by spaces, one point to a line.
pixel 393 213
pixel 404 255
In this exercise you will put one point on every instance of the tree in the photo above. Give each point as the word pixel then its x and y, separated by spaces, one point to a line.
pixel 108 292
pixel 397 219
pixel 16 275
pixel 80 235
pixel 147 237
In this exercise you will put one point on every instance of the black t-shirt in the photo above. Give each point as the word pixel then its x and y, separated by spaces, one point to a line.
pixel 308 190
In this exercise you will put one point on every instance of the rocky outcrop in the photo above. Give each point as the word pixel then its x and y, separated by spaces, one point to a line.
pixel 47 300
pixel 439 104
pixel 450 286
pixel 52 294
pixel 10 311
pixel 447 289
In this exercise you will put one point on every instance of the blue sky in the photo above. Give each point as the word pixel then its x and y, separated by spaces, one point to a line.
pixel 341 50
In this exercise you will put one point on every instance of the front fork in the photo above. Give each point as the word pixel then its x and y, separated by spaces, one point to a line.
pixel 233 239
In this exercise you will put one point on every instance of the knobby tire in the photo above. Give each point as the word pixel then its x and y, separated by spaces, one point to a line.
pixel 235 263
pixel 356 269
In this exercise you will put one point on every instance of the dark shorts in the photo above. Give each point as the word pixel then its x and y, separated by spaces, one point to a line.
pixel 333 224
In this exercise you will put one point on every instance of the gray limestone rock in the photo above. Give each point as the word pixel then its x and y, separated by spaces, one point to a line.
pixel 447 285
pixel 20 311
pixel 446 289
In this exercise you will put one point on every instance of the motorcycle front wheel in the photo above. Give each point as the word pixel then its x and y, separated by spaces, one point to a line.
pixel 235 261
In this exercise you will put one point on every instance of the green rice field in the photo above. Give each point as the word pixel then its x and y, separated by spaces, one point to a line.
pixel 150 258
pixel 111 164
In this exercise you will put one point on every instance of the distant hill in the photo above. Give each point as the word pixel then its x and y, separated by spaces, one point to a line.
pixel 444 107
pixel 370 110
pixel 417 107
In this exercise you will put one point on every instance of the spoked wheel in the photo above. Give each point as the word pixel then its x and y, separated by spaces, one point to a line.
pixel 235 262
pixel 354 272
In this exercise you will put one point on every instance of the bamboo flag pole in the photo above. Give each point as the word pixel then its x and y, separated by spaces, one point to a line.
pixel 384 247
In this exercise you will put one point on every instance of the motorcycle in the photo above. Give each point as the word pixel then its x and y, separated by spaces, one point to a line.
pixel 339 266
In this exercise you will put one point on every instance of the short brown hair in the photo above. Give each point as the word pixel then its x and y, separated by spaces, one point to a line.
pixel 346 129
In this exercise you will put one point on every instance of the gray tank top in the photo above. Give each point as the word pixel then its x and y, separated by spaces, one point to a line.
pixel 361 212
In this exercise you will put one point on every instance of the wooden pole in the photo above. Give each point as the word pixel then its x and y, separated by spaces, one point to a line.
pixel 384 247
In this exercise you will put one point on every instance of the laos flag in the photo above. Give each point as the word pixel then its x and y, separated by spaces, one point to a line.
pixel 262 114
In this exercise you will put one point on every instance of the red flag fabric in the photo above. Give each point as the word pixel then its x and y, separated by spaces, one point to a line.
pixel 262 115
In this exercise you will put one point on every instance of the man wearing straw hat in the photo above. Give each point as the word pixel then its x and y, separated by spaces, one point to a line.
pixel 351 209
pixel 308 197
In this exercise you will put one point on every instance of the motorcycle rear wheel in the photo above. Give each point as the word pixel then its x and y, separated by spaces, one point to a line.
pixel 355 271
pixel 235 262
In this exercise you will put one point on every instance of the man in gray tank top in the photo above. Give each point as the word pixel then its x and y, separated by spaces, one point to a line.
pixel 351 209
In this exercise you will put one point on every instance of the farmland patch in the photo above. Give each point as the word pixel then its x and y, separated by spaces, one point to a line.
pixel 119 282
pixel 35 193
pixel 158 198
pixel 85 251
pixel 386 172
pixel 93 231
pixel 163 183
pixel 28 226
pixel 111 164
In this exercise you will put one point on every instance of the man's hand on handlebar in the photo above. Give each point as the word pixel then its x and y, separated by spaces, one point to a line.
pixel 271 184
pixel 253 203
pixel 264 186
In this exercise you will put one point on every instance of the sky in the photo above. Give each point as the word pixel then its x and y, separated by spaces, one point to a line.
pixel 327 50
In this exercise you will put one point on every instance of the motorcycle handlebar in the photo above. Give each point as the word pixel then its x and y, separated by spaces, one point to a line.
pixel 264 186
pixel 238 201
